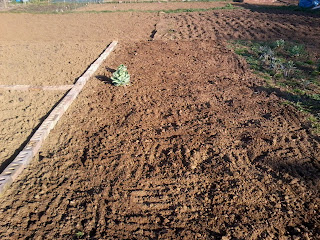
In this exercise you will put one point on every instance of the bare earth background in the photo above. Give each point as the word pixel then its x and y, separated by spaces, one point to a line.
pixel 152 6
pixel 194 148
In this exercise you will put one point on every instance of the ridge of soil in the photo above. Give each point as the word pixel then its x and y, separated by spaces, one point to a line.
pixel 245 24
pixel 190 150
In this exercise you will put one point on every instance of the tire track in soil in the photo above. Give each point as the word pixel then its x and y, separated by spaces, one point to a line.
pixel 189 150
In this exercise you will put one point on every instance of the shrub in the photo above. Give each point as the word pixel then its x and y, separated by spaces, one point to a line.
pixel 266 54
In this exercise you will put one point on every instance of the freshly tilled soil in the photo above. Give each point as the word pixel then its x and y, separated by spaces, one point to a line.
pixel 195 147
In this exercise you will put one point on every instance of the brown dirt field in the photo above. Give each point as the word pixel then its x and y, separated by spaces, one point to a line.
pixel 46 63
pixel 21 112
pixel 189 151
pixel 77 27
pixel 195 148
pixel 46 50
pixel 246 24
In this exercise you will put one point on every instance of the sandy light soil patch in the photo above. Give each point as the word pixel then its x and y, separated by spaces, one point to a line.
pixel 21 112
pixel 75 28
pixel 46 63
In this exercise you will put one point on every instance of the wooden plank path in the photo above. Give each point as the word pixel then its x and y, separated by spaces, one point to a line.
pixel 12 171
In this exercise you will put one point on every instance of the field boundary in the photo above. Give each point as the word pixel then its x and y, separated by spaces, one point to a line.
pixel 12 171
pixel 33 87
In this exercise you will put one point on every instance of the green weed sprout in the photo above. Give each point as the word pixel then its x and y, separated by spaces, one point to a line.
pixel 266 54
pixel 121 76
pixel 79 234
pixel 297 50
pixel 279 43
pixel 289 69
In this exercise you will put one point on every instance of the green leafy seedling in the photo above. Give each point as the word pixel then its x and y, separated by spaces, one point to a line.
pixel 121 76
pixel 296 50
pixel 279 43
pixel 79 234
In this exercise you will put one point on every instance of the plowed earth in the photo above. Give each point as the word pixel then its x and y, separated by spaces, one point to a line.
pixel 257 24
pixel 194 148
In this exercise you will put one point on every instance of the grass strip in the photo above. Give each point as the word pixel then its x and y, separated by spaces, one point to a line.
pixel 59 8
pixel 289 71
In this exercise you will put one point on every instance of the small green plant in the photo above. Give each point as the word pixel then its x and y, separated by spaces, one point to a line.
pixel 121 76
pixel 79 234
pixel 266 54
pixel 308 61
pixel 315 122
pixel 316 97
pixel 279 43
pixel 288 67
pixel 276 65
pixel 296 50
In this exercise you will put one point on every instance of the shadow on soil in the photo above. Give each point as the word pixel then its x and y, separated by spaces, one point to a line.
pixel 307 170
pixel 312 105
pixel 104 78
pixel 289 9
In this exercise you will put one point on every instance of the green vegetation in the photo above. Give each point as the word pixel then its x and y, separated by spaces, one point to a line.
pixel 121 76
pixel 226 7
pixel 79 235
pixel 315 124
pixel 44 7
pixel 180 10
pixel 289 70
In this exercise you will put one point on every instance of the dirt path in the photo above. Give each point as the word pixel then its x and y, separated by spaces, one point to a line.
pixel 194 148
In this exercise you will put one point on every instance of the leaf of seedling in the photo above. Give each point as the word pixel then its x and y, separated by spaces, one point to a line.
pixel 79 234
